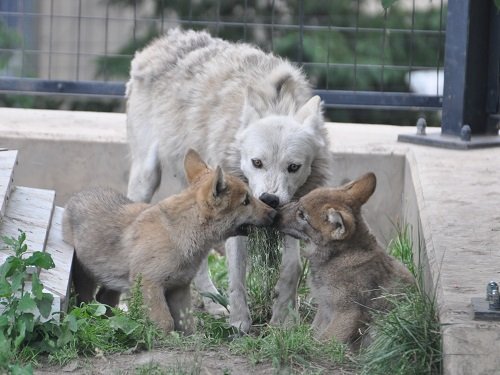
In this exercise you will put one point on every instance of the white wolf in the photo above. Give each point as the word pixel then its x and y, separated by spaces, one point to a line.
pixel 239 107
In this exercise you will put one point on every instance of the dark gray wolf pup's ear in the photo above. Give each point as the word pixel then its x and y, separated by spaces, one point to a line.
pixel 362 188
pixel 194 166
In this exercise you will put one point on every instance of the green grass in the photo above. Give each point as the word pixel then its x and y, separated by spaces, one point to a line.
pixel 407 339
pixel 292 347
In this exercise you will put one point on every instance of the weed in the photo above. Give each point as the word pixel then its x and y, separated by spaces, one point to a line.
pixel 291 347
pixel 264 247
pixel 26 324
pixel 95 333
pixel 407 339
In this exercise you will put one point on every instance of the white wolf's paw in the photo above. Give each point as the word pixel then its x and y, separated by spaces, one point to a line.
pixel 214 308
pixel 241 323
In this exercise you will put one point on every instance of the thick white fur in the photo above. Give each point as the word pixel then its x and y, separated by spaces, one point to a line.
pixel 232 103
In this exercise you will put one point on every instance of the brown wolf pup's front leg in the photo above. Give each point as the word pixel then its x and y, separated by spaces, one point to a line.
pixel 179 303
pixel 154 299
pixel 343 327
pixel 84 283
pixel 108 296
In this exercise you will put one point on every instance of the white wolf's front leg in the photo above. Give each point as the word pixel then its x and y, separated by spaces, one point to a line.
pixel 204 284
pixel 236 253
pixel 145 174
pixel 286 287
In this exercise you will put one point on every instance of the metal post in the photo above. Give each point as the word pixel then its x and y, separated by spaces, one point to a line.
pixel 471 75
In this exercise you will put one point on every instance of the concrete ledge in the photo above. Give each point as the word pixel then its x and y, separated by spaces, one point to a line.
pixel 450 198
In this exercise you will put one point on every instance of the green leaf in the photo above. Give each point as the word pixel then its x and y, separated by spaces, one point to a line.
pixel 388 3
pixel 16 281
pixel 11 265
pixel 45 304
pixel 100 309
pixel 4 321
pixel 39 259
pixel 21 333
pixel 5 289
pixel 21 370
pixel 124 324
pixel 26 304
pixel 497 4
pixel 72 323
pixel 36 286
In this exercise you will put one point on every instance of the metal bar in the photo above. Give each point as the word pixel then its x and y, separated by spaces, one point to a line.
pixel 78 39
pixel 493 84
pixel 42 86
pixel 466 67
pixel 332 98
pixel 233 23
pixel 51 29
pixel 301 31
pixel 383 100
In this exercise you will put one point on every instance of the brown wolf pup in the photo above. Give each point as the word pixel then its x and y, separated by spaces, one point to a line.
pixel 349 269
pixel 116 240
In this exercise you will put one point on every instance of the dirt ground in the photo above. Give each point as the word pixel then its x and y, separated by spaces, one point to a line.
pixel 176 362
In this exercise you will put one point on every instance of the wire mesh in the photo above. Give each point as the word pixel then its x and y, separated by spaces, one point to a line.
pixel 354 46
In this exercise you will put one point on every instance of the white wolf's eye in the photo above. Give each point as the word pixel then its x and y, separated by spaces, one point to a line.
pixel 292 168
pixel 257 163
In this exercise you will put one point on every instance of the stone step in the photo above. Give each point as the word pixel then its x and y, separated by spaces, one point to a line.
pixel 8 161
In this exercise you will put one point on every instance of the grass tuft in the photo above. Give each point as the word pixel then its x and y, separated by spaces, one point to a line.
pixel 264 249
pixel 292 348
pixel 407 340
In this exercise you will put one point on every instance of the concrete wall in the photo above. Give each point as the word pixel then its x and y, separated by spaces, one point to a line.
pixel 70 151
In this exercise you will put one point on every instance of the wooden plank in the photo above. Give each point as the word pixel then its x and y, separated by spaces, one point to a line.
pixel 58 280
pixel 29 210
pixel 8 161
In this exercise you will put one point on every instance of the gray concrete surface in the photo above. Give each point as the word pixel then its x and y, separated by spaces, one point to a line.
pixel 451 200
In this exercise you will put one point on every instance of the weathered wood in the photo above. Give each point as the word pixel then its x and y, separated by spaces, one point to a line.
pixel 29 210
pixel 58 280
pixel 8 161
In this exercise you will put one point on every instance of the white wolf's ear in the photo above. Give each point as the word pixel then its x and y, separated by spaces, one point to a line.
pixel 362 188
pixel 219 184
pixel 194 165
pixel 312 107
pixel 310 115
pixel 250 113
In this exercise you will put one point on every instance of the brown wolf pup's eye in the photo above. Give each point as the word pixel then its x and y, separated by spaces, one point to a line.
pixel 300 215
pixel 292 168
pixel 257 163
pixel 246 202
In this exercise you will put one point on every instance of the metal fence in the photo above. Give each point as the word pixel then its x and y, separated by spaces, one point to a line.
pixel 355 52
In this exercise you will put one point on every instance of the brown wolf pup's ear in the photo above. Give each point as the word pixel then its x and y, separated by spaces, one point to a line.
pixel 362 188
pixel 336 220
pixel 219 182
pixel 194 165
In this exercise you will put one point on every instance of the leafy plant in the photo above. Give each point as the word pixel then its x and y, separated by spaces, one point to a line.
pixel 23 304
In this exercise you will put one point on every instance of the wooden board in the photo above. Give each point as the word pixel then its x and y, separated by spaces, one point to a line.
pixel 8 161
pixel 58 280
pixel 29 210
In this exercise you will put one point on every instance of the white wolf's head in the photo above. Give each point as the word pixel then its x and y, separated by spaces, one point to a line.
pixel 278 151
